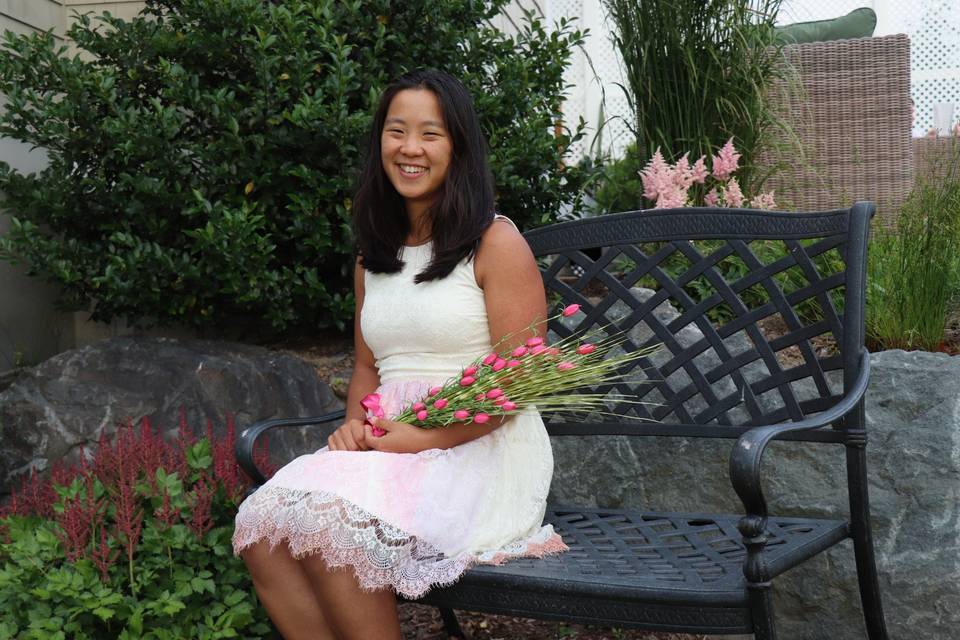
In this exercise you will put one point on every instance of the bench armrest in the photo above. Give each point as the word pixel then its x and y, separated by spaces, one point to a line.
pixel 748 451
pixel 243 448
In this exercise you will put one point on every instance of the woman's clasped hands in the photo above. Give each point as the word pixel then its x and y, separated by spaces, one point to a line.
pixel 397 437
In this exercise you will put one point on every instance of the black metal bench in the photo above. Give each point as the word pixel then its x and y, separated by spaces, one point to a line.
pixel 721 373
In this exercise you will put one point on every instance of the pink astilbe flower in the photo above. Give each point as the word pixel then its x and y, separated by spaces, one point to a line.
pixel 732 195
pixel 665 184
pixel 655 176
pixel 699 171
pixel 725 162
pixel 712 198
pixel 764 201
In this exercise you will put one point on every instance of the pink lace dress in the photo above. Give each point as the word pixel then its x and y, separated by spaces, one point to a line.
pixel 412 521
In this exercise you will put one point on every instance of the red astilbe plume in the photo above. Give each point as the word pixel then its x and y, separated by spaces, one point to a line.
pixel 185 440
pixel 151 450
pixel 35 496
pixel 129 515
pixel 200 520
pixel 103 556
pixel 166 514
pixel 79 518
pixel 261 458
pixel 225 467
pixel 104 463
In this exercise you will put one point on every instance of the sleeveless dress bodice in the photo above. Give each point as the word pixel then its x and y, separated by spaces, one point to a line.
pixel 432 329
pixel 412 521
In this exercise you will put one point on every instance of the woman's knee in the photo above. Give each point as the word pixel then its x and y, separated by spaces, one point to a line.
pixel 262 561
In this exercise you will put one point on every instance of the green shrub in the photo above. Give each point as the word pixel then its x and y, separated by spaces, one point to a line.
pixel 697 72
pixel 202 156
pixel 136 543
pixel 914 269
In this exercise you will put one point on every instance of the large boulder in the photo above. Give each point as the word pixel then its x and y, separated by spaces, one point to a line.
pixel 913 425
pixel 53 410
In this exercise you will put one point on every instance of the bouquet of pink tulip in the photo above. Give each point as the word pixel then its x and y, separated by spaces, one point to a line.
pixel 532 374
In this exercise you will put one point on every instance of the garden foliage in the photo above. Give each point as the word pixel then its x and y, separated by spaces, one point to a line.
pixel 913 282
pixel 202 156
pixel 133 543
pixel 698 71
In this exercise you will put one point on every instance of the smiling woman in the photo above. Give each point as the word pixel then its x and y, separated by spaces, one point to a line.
pixel 415 149
pixel 438 281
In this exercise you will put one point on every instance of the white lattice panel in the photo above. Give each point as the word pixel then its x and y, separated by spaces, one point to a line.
pixel 934 30
pixel 594 76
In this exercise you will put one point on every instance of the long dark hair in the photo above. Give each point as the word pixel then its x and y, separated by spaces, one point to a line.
pixel 465 205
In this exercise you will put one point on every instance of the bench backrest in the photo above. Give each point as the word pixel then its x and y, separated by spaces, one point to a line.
pixel 760 314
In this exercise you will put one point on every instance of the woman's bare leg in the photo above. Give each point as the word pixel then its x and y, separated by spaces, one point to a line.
pixel 354 614
pixel 286 592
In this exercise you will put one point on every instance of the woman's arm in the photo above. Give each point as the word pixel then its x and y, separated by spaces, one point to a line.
pixel 516 303
pixel 364 380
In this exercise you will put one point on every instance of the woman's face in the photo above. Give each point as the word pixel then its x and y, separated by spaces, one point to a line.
pixel 415 147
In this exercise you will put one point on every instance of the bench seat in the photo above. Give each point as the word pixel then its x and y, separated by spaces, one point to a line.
pixel 639 569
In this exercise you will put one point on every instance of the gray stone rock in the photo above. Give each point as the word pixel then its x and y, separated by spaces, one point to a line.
pixel 913 417
pixel 53 410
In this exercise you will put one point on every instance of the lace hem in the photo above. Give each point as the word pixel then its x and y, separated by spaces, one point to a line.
pixel 380 554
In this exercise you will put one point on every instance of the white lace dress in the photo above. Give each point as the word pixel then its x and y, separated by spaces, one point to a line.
pixel 412 521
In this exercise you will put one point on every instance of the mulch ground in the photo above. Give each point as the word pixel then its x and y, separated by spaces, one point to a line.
pixel 420 622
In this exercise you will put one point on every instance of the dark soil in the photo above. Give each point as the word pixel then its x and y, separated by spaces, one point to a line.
pixel 420 622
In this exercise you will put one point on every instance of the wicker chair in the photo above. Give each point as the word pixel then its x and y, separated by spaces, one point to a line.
pixel 848 105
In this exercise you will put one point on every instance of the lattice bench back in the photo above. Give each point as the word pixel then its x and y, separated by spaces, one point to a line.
pixel 760 314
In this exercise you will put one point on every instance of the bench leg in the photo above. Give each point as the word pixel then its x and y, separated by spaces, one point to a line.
pixel 761 611
pixel 450 623
pixel 863 544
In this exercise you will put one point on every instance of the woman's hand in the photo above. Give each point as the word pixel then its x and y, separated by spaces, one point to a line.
pixel 400 437
pixel 349 436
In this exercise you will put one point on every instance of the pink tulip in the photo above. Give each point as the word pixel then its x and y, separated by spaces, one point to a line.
pixel 370 401
pixel 460 414
pixel 470 371
pixel 535 341
pixel 565 366
pixel 480 418
pixel 422 415
pixel 490 359
pixel 570 310
pixel 466 381
pixel 493 394
pixel 434 391
pixel 509 406
pixel 499 401
pixel 499 364
pixel 538 350
pixel 513 363
pixel 586 348
pixel 553 351
pixel 440 404
pixel 480 397
pixel 417 406
pixel 519 352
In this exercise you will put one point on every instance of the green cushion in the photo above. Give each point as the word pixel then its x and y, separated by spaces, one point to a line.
pixel 859 23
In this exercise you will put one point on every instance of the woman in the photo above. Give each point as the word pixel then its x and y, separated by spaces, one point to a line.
pixel 334 536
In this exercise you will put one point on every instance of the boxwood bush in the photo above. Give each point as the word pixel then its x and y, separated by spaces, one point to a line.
pixel 202 156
